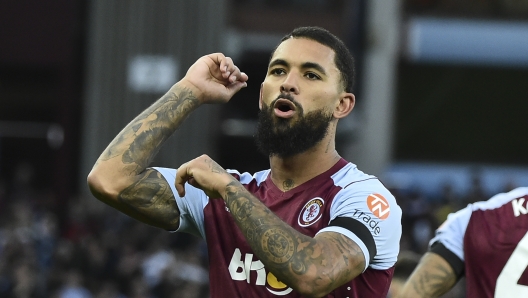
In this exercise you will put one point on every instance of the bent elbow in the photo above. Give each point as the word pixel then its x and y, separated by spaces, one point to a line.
pixel 100 187
pixel 94 184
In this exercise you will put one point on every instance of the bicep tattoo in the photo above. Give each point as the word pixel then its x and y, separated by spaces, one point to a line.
pixel 150 199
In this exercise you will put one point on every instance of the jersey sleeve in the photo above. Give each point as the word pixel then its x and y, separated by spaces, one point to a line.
pixel 191 205
pixel 367 213
pixel 451 232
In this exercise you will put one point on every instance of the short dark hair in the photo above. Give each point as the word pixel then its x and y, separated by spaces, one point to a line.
pixel 343 58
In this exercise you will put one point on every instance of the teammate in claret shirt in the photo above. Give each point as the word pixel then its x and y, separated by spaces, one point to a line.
pixel 313 225
pixel 487 242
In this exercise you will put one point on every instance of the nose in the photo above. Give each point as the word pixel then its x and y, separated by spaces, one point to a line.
pixel 289 85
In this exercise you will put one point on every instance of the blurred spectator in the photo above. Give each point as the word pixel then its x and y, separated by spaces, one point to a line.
pixel 73 286
pixel 25 281
pixel 509 185
pixel 417 220
pixel 109 289
pixel 476 191
pixel 449 202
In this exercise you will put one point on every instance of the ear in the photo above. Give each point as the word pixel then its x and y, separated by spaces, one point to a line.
pixel 345 105
pixel 260 97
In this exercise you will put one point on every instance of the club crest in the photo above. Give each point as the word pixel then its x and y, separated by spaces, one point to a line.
pixel 311 212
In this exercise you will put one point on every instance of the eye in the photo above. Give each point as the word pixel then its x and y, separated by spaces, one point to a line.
pixel 312 76
pixel 277 71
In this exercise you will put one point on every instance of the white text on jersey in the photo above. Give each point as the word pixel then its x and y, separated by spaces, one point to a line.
pixel 368 220
pixel 518 207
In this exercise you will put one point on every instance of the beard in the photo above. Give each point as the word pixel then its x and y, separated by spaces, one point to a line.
pixel 284 138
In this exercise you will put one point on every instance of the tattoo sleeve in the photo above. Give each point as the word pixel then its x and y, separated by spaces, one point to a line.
pixel 432 278
pixel 141 140
pixel 297 260
pixel 151 201
pixel 143 193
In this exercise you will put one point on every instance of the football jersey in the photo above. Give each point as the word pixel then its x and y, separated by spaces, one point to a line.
pixel 343 200
pixel 491 239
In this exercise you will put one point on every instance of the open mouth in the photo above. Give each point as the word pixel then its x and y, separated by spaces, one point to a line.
pixel 284 108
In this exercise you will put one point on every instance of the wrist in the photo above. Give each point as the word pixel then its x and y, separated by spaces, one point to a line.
pixel 188 87
pixel 231 189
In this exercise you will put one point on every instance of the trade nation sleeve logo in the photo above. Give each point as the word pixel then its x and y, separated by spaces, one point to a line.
pixel 378 205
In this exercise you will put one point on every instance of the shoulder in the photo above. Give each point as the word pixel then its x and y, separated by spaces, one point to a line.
pixel 365 200
pixel 501 199
pixel 358 187
pixel 349 175
pixel 494 203
pixel 490 212
pixel 352 179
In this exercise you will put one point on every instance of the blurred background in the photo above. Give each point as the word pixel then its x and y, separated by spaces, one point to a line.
pixel 440 118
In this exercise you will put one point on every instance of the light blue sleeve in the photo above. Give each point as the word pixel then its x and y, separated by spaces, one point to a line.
pixel 451 232
pixel 191 205
pixel 354 202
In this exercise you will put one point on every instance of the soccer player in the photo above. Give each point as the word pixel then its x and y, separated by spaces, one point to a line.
pixel 487 242
pixel 313 225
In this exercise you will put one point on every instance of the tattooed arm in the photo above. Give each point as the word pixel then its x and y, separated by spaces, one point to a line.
pixel 312 266
pixel 432 277
pixel 120 177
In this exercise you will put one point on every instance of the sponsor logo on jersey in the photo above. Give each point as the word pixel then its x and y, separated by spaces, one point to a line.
pixel 240 269
pixel 518 207
pixel 378 205
pixel 276 287
pixel 311 212
pixel 370 221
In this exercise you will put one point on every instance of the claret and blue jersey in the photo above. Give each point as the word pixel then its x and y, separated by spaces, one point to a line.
pixel 488 242
pixel 343 200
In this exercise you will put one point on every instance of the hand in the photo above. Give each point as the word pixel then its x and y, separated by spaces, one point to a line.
pixel 215 78
pixel 205 174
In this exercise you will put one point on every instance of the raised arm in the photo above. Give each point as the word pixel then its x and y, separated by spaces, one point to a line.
pixel 432 277
pixel 312 266
pixel 120 177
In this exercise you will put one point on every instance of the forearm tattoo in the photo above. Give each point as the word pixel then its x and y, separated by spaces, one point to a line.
pixel 434 281
pixel 284 251
pixel 141 140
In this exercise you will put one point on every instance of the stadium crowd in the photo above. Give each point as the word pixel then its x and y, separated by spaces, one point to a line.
pixel 98 252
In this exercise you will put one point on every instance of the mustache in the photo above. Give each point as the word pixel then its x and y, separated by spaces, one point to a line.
pixel 285 96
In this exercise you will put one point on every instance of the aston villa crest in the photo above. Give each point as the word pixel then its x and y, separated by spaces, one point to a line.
pixel 311 212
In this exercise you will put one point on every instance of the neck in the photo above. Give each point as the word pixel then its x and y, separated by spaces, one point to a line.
pixel 287 173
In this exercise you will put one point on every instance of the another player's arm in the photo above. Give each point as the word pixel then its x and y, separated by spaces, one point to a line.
pixel 120 177
pixel 433 277
pixel 312 266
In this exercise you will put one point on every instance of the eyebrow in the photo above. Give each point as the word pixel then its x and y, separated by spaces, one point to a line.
pixel 305 65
